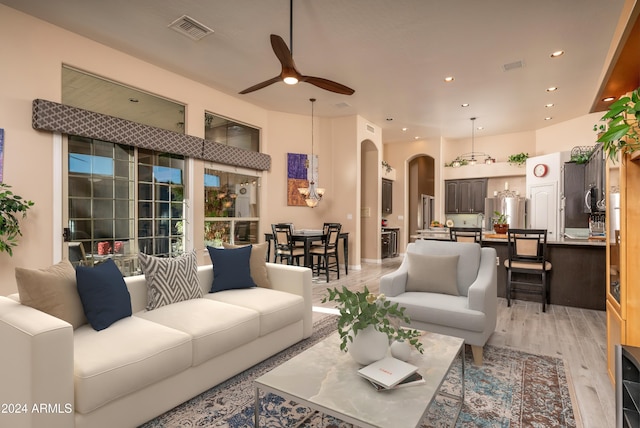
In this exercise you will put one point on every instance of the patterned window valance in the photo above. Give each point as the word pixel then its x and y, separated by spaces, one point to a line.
pixel 55 117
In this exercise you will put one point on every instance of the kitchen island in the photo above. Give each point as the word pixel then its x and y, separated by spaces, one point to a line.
pixel 578 276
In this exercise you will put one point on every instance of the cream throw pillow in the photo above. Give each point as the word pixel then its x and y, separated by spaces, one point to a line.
pixel 52 290
pixel 257 263
pixel 433 274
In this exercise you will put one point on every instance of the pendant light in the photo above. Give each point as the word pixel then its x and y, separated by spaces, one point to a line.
pixel 312 194
pixel 470 158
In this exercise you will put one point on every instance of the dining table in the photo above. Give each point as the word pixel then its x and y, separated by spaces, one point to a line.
pixel 307 237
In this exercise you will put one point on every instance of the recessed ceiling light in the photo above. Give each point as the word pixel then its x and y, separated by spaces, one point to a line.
pixel 465 105
pixel 607 99
pixel 549 105
pixel 552 88
pixel 480 128
pixel 556 54
pixel 416 137
pixel 449 79
pixel 404 129
pixel 548 118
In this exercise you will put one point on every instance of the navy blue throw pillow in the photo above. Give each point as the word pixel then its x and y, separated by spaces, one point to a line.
pixel 231 268
pixel 103 293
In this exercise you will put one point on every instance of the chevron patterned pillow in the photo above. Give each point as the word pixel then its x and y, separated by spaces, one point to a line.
pixel 170 280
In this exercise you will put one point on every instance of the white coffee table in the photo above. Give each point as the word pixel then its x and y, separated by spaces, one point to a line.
pixel 325 379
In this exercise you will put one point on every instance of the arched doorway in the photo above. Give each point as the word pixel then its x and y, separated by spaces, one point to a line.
pixel 421 181
pixel 370 204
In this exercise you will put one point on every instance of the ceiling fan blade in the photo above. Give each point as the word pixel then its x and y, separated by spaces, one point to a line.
pixel 329 85
pixel 282 52
pixel 261 85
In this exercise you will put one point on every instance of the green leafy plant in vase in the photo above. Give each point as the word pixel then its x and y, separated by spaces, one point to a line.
pixel 363 310
pixel 12 208
pixel 500 224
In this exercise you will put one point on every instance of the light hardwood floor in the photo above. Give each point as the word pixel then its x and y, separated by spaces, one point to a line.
pixel 578 336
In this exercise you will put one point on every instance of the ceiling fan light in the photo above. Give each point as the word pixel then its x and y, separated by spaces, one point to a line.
pixel 290 80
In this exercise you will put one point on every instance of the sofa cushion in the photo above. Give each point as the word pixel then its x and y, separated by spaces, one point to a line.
pixel 441 309
pixel 103 293
pixel 434 274
pixel 215 327
pixel 231 268
pixel 170 280
pixel 257 263
pixel 277 309
pixel 52 290
pixel 128 356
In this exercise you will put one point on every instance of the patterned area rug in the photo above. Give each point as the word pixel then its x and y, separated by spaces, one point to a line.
pixel 511 389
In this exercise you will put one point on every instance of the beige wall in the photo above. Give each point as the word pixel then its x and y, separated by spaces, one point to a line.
pixel 32 69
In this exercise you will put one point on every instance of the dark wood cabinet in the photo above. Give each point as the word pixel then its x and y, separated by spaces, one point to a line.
pixel 574 195
pixel 465 196
pixel 387 196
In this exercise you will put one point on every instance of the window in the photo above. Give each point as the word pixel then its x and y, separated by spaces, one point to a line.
pixel 101 195
pixel 230 133
pixel 104 188
pixel 231 207
pixel 160 203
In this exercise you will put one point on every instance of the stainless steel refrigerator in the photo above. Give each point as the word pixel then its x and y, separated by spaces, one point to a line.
pixel 514 207
pixel 425 211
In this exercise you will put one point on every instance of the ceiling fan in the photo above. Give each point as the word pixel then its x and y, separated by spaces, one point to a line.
pixel 289 73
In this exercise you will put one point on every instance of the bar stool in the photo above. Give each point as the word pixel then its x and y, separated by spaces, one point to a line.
pixel 527 255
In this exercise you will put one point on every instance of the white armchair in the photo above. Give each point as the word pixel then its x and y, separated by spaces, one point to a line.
pixel 448 288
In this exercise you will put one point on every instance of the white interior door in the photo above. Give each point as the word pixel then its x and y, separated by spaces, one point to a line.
pixel 544 208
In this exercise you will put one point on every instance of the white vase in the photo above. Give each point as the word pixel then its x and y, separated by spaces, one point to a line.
pixel 369 345
pixel 401 349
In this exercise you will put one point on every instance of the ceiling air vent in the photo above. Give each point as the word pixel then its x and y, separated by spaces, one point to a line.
pixel 190 27
pixel 371 129
pixel 513 66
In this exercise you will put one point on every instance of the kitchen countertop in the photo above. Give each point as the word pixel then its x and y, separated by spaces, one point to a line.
pixel 444 236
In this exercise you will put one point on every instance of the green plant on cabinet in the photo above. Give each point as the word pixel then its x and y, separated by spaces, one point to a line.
pixel 620 133
pixel 518 158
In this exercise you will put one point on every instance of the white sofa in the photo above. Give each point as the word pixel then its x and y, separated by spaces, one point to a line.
pixel 471 313
pixel 146 364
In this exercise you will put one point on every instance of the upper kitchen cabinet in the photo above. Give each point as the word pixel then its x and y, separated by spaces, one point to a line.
pixel 465 196
pixel 387 196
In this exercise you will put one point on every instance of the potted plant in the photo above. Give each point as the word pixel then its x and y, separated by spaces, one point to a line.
pixel 518 159
pixel 362 312
pixel 621 133
pixel 12 207
pixel 500 224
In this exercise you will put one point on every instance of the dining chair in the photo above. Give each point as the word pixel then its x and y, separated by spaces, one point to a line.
pixel 527 250
pixel 325 231
pixel 323 254
pixel 466 234
pixel 283 244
